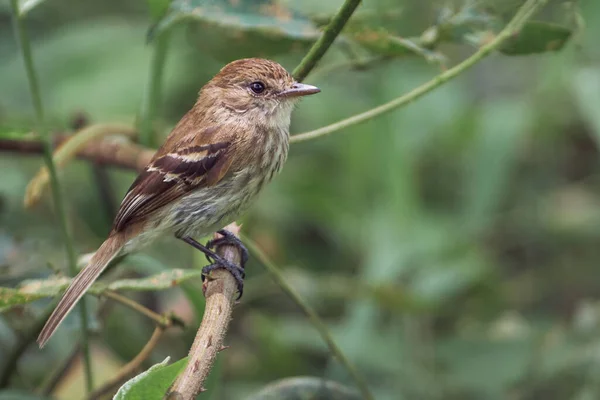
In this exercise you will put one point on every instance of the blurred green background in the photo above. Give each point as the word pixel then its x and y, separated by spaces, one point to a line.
pixel 452 246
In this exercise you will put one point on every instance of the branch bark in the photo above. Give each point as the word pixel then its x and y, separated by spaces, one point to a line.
pixel 123 154
pixel 220 292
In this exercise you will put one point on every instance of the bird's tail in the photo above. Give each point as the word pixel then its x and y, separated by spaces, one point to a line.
pixel 80 284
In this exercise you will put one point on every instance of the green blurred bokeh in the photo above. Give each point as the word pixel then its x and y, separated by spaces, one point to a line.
pixel 452 246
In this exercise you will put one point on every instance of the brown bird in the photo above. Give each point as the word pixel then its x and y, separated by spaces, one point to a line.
pixel 209 170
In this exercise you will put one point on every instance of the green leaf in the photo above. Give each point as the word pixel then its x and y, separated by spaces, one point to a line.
pixel 305 388
pixel 537 37
pixel 27 5
pixel 378 40
pixel 153 383
pixel 235 29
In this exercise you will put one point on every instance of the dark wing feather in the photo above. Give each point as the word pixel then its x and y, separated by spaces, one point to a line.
pixel 170 176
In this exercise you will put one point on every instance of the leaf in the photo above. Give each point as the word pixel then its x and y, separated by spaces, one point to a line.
pixel 537 37
pixel 27 5
pixel 305 388
pixel 235 29
pixel 379 40
pixel 151 384
pixel 33 290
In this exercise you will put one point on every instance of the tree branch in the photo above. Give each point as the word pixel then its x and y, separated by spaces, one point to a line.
pixel 318 50
pixel 220 292
pixel 513 27
pixel 66 151
pixel 123 154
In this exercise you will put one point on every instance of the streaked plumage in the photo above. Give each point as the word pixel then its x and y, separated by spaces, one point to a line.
pixel 210 168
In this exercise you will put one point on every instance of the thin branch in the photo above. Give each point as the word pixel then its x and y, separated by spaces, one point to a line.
pixel 123 154
pixel 513 27
pixel 67 151
pixel 25 47
pixel 129 369
pixel 332 31
pixel 153 95
pixel 220 292
pixel 160 320
pixel 313 317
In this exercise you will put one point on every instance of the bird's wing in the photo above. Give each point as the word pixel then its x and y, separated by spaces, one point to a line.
pixel 171 174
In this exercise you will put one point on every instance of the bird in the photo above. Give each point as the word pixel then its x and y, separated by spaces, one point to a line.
pixel 209 170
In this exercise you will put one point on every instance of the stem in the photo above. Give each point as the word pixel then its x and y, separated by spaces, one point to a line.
pixel 25 47
pixel 332 30
pixel 159 319
pixel 313 317
pixel 526 10
pixel 153 95
pixel 67 151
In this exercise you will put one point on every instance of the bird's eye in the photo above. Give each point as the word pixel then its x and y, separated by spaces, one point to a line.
pixel 257 87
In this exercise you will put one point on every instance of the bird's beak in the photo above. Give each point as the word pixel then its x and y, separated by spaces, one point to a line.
pixel 300 89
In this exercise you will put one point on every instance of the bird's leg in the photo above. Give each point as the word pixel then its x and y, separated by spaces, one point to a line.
pixel 218 262
pixel 229 238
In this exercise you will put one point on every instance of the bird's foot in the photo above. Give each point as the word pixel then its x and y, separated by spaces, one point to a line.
pixel 235 270
pixel 230 239
pixel 219 262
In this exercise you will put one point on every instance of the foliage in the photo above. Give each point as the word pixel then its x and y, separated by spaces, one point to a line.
pixel 451 246
pixel 151 384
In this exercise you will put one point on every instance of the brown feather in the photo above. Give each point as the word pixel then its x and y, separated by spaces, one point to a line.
pixel 80 284
pixel 171 174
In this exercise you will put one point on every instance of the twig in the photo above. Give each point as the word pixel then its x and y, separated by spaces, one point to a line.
pixel 319 49
pixel 67 150
pixel 526 10
pixel 25 46
pixel 220 292
pixel 160 320
pixel 105 152
pixel 153 95
pixel 129 369
pixel 313 317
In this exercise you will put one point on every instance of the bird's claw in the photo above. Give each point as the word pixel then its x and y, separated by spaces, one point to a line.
pixel 228 238
pixel 235 270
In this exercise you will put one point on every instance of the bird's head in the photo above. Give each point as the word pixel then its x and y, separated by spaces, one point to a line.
pixel 257 88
